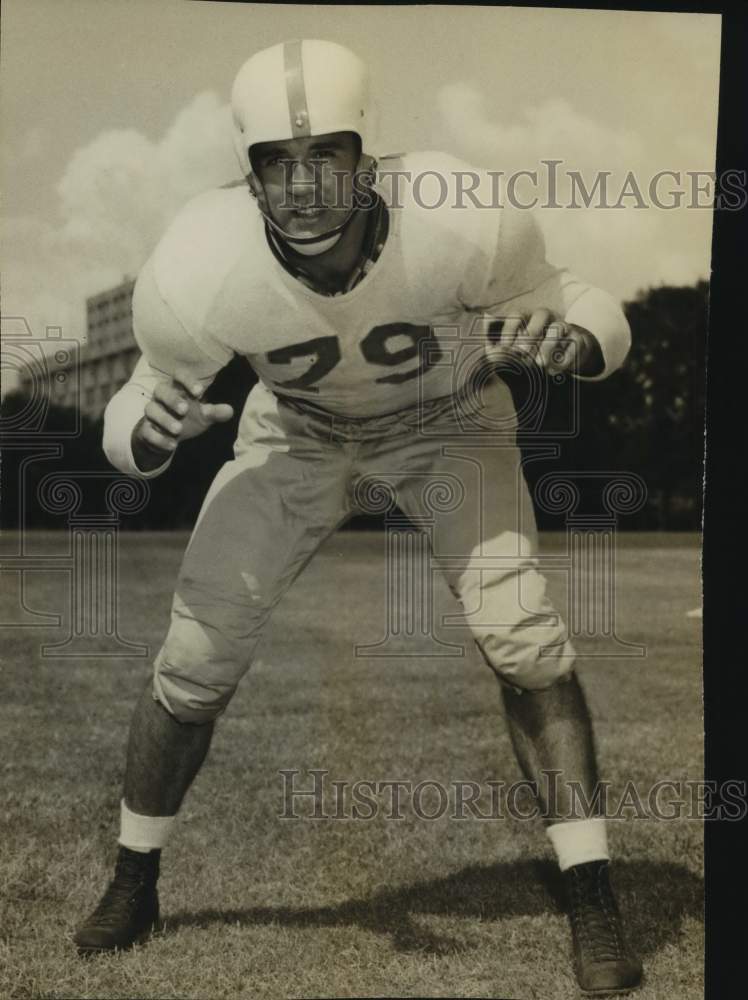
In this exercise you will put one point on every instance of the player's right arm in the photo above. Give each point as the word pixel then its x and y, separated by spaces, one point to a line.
pixel 174 413
pixel 160 405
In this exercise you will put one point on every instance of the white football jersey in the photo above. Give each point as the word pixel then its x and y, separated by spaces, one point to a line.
pixel 412 329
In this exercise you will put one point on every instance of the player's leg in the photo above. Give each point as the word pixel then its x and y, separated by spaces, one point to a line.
pixel 265 515
pixel 163 757
pixel 487 546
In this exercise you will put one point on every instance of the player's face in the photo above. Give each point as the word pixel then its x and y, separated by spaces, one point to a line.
pixel 307 183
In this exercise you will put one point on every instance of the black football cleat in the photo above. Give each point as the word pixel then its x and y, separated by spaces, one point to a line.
pixel 128 910
pixel 603 962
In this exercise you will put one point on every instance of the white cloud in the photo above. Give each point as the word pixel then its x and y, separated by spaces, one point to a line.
pixel 115 197
pixel 620 249
pixel 554 130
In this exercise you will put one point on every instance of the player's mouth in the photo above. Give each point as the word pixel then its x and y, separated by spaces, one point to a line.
pixel 308 213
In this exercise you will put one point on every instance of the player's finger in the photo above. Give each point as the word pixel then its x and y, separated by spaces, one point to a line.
pixel 534 331
pixel 512 331
pixel 216 413
pixel 162 419
pixel 171 396
pixel 564 355
pixel 156 438
pixel 187 381
pixel 551 345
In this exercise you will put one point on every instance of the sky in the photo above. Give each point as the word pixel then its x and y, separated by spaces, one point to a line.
pixel 115 112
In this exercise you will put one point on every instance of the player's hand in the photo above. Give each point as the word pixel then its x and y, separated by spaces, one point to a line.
pixel 549 342
pixel 175 414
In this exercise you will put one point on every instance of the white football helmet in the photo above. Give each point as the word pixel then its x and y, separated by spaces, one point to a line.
pixel 298 89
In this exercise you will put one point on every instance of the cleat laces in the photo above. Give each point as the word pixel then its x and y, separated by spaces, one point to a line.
pixel 594 916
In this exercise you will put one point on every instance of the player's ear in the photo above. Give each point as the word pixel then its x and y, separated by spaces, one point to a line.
pixel 258 191
pixel 366 164
pixel 364 178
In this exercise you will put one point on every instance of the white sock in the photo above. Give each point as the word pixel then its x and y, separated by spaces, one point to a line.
pixel 578 841
pixel 143 833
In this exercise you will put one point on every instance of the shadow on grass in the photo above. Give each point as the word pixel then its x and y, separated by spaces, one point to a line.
pixel 655 898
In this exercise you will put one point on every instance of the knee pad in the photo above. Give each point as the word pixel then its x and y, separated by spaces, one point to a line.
pixel 527 666
pixel 194 685
pixel 198 669
pixel 188 701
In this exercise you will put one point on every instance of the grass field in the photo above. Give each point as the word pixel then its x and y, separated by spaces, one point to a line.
pixel 258 906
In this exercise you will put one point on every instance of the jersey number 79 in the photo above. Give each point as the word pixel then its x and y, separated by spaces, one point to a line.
pixel 375 348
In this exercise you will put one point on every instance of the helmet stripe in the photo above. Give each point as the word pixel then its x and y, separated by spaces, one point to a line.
pixel 296 90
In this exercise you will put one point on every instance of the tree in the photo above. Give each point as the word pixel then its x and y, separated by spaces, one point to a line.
pixel 648 417
pixel 663 397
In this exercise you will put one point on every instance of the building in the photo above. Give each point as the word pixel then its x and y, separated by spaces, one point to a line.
pixel 89 376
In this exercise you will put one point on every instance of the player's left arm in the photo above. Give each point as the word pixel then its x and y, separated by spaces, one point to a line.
pixel 548 314
pixel 551 339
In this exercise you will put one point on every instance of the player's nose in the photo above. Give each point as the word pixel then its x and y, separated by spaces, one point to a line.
pixel 304 184
pixel 303 175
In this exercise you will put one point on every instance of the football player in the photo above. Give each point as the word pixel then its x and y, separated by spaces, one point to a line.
pixel 372 311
